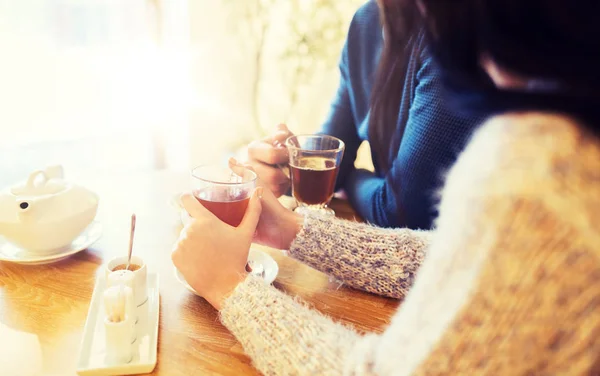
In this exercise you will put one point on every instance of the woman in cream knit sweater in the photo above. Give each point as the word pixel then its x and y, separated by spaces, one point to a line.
pixel 508 282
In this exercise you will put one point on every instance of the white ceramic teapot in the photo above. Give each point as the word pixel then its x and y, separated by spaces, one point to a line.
pixel 45 214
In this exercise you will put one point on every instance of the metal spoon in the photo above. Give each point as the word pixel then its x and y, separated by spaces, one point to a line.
pixel 255 268
pixel 131 241
pixel 284 167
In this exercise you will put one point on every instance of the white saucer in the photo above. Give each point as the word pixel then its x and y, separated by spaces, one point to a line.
pixel 12 253
pixel 269 264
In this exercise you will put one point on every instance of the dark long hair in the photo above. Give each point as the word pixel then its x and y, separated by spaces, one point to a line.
pixel 544 39
pixel 554 41
pixel 401 21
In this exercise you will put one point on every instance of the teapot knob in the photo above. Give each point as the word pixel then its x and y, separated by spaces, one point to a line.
pixel 33 178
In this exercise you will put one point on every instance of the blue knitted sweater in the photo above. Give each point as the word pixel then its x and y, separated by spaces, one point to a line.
pixel 433 137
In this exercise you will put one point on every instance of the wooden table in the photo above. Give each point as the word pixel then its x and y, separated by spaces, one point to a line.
pixel 52 300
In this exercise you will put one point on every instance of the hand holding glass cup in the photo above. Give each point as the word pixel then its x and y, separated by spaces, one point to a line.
pixel 314 162
pixel 225 194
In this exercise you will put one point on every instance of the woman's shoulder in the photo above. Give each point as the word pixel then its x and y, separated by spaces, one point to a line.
pixel 368 13
pixel 364 39
pixel 539 125
pixel 546 146
pixel 542 156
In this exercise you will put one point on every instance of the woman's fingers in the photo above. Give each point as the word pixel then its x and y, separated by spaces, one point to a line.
pixel 266 152
pixel 269 174
pixel 270 177
pixel 253 212
pixel 237 167
pixel 282 134
pixel 194 207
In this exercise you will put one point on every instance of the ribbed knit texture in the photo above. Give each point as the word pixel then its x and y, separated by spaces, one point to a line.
pixel 380 261
pixel 433 138
pixel 507 286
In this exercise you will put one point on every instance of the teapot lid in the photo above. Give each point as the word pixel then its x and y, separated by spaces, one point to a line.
pixel 46 182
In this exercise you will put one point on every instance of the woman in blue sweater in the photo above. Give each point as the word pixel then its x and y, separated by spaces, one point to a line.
pixel 411 146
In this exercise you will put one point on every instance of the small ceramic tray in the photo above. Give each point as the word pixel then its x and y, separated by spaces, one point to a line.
pixel 92 360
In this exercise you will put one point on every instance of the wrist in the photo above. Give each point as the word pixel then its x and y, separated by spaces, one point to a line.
pixel 217 300
pixel 295 222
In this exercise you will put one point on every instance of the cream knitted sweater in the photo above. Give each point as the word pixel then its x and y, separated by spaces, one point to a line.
pixel 508 284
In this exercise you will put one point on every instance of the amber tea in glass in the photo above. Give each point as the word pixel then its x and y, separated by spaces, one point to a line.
pixel 314 164
pixel 222 192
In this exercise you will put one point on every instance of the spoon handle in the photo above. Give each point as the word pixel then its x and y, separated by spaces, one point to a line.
pixel 284 167
pixel 131 241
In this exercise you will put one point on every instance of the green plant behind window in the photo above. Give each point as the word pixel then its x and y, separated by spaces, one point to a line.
pixel 313 37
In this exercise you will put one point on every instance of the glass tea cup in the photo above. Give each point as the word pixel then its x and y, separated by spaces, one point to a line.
pixel 223 192
pixel 314 162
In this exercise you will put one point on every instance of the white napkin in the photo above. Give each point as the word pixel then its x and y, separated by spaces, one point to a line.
pixel 20 353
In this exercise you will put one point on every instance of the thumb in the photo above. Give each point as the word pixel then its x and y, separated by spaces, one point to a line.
pixel 242 169
pixel 193 206
pixel 238 168
pixel 253 212
pixel 282 134
pixel 282 127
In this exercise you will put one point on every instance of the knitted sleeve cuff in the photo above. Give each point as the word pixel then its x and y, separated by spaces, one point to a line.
pixel 281 334
pixel 382 261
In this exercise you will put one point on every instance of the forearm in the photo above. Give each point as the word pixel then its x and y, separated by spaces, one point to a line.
pixel 364 193
pixel 282 336
pixel 381 261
